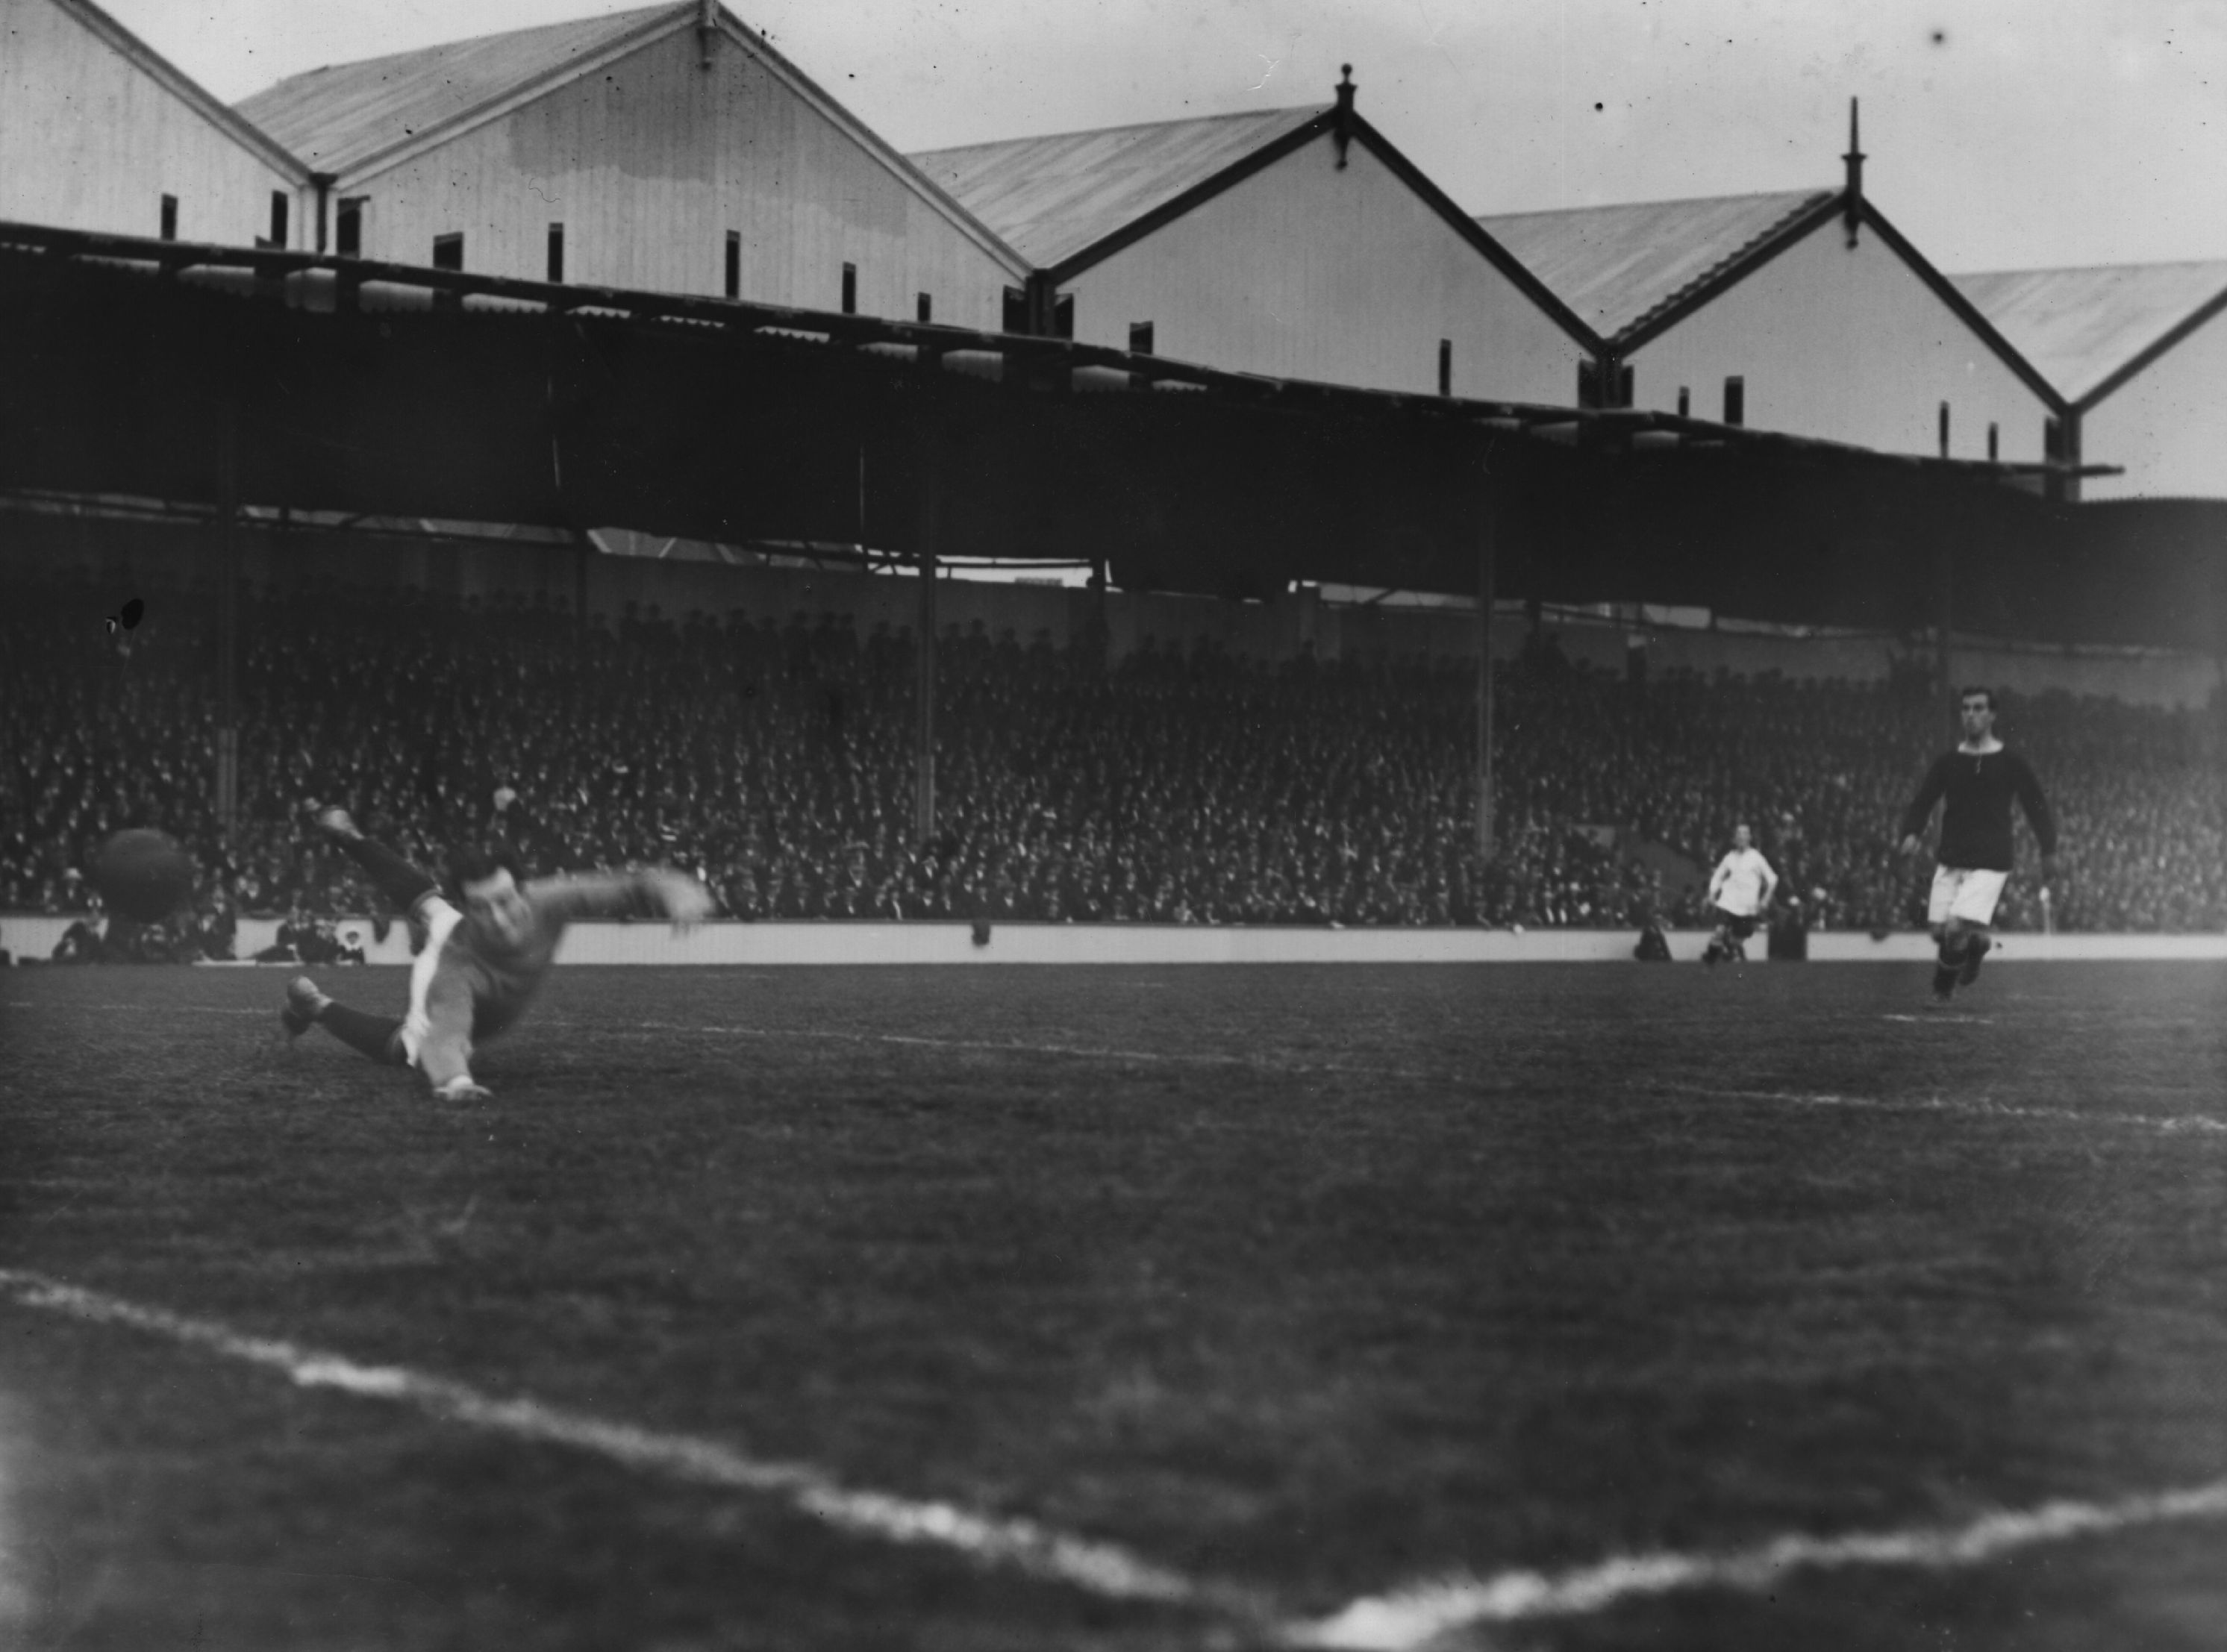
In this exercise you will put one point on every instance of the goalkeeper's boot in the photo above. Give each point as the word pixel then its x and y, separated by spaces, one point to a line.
pixel 1975 949
pixel 304 1004
pixel 461 1089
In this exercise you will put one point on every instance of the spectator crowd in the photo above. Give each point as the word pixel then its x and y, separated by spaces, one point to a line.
pixel 1173 786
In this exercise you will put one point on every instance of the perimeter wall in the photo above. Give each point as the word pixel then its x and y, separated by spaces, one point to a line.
pixel 772 945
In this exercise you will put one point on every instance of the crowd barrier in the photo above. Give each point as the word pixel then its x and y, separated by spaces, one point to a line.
pixel 33 937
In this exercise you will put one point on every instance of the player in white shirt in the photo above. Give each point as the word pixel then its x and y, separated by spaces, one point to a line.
pixel 1739 889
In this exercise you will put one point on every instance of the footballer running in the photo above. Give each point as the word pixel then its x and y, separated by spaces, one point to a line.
pixel 1979 779
pixel 479 965
pixel 1739 891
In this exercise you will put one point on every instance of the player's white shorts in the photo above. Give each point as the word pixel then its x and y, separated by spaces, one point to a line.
pixel 440 917
pixel 1966 892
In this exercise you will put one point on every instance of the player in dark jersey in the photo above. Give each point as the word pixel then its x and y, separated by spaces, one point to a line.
pixel 479 965
pixel 1979 779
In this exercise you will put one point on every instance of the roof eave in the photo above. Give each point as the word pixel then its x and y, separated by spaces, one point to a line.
pixel 652 30
pixel 355 168
pixel 872 142
pixel 1157 217
pixel 2141 359
pixel 1290 142
pixel 188 91
pixel 1656 322
pixel 1965 310
pixel 1518 273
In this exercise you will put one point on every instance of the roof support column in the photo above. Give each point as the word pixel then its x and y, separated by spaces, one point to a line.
pixel 1099 648
pixel 928 532
pixel 228 531
pixel 2065 483
pixel 1605 381
pixel 1488 576
pixel 1051 312
pixel 1949 527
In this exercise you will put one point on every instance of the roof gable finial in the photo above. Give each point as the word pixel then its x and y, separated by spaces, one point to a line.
pixel 1344 132
pixel 1853 211
pixel 707 29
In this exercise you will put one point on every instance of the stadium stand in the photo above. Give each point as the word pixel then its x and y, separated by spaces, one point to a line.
pixel 1198 786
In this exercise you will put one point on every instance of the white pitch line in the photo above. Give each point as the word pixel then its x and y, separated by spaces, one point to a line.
pixel 1091 1052
pixel 1415 1617
pixel 2168 1124
pixel 1403 1620
pixel 1018 1544
pixel 145 1009
pixel 1083 1051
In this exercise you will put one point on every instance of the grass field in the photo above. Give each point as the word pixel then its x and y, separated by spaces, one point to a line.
pixel 1575 1307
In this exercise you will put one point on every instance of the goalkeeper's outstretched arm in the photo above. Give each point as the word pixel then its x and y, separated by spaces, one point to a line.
pixel 522 830
pixel 651 891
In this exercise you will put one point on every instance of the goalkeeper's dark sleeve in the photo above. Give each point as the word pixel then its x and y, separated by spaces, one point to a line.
pixel 522 832
pixel 394 877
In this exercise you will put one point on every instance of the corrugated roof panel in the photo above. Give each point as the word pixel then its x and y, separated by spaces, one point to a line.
pixel 1051 197
pixel 1614 265
pixel 336 116
pixel 2079 327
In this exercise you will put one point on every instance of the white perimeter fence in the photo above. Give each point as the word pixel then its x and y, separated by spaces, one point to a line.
pixel 931 943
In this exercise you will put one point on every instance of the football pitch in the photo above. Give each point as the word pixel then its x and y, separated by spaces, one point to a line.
pixel 1484 1307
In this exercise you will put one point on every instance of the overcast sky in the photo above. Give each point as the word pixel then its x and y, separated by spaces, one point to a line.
pixel 2002 134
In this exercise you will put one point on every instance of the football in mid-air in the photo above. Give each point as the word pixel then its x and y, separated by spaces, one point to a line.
pixel 143 874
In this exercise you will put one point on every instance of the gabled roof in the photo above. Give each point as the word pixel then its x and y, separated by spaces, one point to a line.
pixel 1068 201
pixel 357 119
pixel 341 116
pixel 1052 197
pixel 2087 330
pixel 1633 273
pixel 1617 266
pixel 127 44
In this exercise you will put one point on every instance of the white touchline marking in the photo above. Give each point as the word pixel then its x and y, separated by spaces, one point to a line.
pixel 1415 1615
pixel 1980 1108
pixel 1018 1544
pixel 1401 1621
pixel 1085 1051
pixel 145 1009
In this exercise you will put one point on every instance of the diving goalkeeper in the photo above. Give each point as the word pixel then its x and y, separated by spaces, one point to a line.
pixel 477 967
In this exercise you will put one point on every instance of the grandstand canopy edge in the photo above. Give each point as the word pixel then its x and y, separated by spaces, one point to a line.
pixel 390 391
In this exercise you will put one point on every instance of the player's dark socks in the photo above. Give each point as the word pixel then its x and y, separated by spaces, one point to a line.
pixel 395 878
pixel 1944 977
pixel 1975 949
pixel 377 1036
